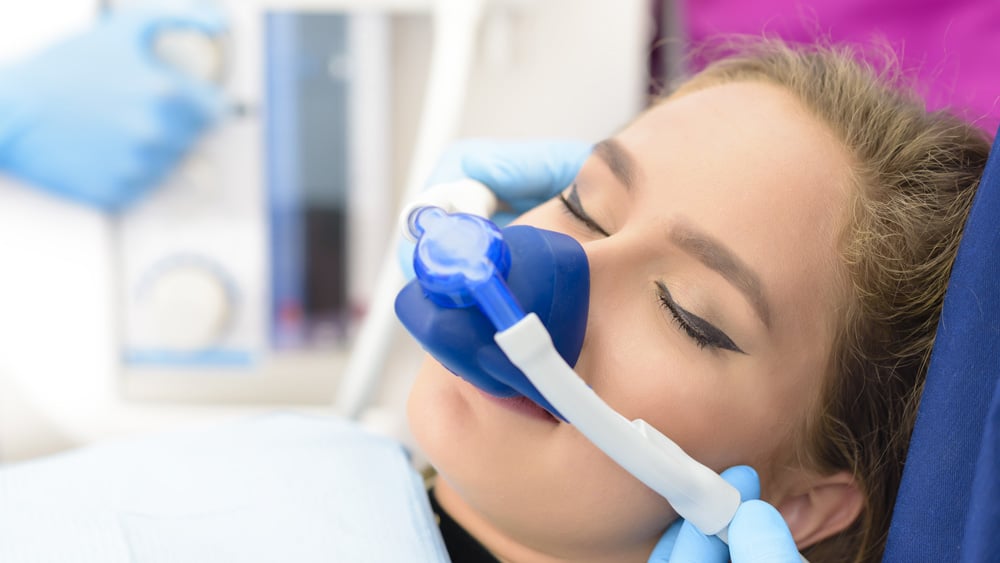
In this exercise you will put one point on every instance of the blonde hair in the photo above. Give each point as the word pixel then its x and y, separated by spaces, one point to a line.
pixel 915 174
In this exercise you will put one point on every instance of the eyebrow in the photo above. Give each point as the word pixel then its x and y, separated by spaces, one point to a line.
pixel 618 160
pixel 716 256
pixel 704 248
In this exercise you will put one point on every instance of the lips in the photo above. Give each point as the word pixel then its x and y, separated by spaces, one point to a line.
pixel 521 405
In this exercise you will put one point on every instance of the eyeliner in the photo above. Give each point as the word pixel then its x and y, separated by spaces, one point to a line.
pixel 575 206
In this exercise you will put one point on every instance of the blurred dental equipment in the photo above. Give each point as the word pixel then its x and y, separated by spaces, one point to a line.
pixel 462 264
pixel 265 273
pixel 240 283
pixel 238 269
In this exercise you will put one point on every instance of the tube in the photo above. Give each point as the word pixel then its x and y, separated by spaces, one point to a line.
pixel 697 493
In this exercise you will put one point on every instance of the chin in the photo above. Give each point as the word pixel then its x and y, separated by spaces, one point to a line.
pixel 436 409
pixel 528 478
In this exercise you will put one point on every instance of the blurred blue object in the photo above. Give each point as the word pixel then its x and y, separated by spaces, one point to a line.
pixel 98 118
pixel 950 489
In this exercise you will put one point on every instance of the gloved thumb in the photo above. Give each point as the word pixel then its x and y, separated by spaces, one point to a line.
pixel 758 534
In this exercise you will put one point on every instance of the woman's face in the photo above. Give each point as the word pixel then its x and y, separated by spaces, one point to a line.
pixel 710 224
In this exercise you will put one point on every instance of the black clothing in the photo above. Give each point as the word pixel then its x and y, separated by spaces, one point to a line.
pixel 462 547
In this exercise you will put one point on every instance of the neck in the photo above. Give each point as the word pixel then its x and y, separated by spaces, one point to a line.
pixel 506 547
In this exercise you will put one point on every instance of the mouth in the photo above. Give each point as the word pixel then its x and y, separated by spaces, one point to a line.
pixel 521 405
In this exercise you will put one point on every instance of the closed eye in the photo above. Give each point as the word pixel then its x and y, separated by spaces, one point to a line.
pixel 701 331
pixel 573 205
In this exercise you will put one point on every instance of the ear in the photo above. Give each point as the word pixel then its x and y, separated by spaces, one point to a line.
pixel 823 507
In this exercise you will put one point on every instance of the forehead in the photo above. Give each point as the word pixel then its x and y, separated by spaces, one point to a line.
pixel 749 164
pixel 756 126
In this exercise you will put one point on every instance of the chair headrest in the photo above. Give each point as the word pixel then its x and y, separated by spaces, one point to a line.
pixel 939 481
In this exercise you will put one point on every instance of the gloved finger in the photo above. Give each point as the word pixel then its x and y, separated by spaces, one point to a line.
pixel 197 15
pixel 664 547
pixel 758 534
pixel 691 545
pixel 745 479
pixel 191 105
pixel 517 170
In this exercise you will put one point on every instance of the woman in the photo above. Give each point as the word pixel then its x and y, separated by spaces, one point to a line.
pixel 769 248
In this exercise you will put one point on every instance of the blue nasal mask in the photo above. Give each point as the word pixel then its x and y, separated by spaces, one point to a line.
pixel 474 279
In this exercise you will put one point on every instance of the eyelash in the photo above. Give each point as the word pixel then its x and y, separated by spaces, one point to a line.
pixel 700 340
pixel 714 338
pixel 580 215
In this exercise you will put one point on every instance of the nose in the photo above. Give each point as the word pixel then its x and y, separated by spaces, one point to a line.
pixel 615 279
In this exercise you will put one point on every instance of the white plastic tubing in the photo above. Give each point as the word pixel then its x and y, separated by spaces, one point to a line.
pixel 698 494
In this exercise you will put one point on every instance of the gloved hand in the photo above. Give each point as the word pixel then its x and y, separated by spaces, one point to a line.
pixel 523 174
pixel 98 118
pixel 757 534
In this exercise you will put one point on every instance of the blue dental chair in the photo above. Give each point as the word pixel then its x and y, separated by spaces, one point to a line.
pixel 948 505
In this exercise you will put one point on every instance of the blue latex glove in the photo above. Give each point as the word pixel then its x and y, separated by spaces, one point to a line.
pixel 523 174
pixel 757 534
pixel 98 118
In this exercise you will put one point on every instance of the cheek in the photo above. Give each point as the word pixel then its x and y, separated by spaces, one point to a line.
pixel 710 406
